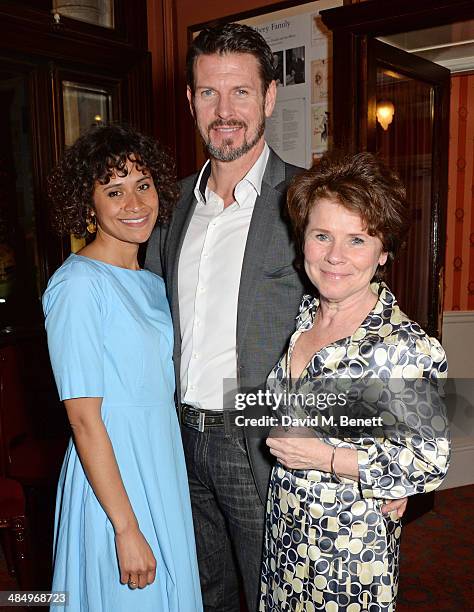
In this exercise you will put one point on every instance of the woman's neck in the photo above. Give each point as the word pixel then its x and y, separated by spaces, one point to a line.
pixel 343 313
pixel 112 251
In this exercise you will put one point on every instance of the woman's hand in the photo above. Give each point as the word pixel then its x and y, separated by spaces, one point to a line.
pixel 301 451
pixel 399 505
pixel 136 560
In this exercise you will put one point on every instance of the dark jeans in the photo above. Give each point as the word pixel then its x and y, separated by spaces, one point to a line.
pixel 228 516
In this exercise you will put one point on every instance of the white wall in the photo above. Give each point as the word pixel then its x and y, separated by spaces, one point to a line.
pixel 458 341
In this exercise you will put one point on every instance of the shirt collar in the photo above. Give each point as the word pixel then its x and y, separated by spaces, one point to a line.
pixel 254 177
pixel 201 183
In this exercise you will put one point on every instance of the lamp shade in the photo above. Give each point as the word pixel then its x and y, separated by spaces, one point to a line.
pixel 385 112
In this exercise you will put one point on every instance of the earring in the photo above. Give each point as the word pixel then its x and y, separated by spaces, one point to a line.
pixel 91 223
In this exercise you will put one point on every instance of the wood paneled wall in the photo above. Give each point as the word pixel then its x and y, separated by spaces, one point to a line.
pixel 459 285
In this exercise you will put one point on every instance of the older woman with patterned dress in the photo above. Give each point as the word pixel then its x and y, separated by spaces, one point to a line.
pixel 328 545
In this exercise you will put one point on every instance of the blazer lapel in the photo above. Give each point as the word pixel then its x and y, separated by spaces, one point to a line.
pixel 266 212
pixel 176 234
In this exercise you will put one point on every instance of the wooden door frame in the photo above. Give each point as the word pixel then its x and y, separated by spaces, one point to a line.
pixel 384 55
pixel 353 25
pixel 355 29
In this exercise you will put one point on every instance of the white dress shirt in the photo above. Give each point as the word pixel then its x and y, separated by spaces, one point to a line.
pixel 209 270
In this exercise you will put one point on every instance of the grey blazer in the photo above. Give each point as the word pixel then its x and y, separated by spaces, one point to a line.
pixel 269 294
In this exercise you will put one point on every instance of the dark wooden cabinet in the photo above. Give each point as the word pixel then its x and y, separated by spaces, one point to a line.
pixel 58 76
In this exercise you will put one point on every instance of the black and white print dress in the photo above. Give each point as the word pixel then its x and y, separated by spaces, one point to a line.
pixel 327 544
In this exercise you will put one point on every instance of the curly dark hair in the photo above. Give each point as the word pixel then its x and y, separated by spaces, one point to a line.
pixel 231 38
pixel 98 154
pixel 361 183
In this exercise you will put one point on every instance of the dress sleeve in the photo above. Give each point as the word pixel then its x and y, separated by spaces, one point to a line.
pixel 74 311
pixel 414 456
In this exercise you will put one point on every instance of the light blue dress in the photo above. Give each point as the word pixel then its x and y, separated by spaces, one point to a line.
pixel 110 336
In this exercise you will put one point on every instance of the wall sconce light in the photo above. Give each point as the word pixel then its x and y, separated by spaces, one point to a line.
pixel 385 112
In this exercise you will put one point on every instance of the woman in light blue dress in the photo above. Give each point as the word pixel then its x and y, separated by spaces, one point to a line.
pixel 124 538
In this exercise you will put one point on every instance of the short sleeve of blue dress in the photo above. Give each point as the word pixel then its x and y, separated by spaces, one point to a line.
pixel 75 311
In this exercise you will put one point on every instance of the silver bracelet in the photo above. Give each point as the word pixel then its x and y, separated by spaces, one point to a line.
pixel 336 476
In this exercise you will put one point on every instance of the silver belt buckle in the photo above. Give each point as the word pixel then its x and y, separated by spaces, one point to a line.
pixel 202 420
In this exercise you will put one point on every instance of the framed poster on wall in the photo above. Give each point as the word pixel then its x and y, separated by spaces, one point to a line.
pixel 300 128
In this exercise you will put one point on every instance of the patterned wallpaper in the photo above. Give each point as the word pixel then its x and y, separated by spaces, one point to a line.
pixel 459 276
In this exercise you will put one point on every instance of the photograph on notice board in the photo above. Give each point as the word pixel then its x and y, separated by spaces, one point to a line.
pixel 278 67
pixel 295 66
pixel 319 127
pixel 302 59
pixel 320 80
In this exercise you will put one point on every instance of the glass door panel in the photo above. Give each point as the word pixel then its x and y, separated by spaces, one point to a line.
pixel 407 109
pixel 404 139
pixel 83 107
pixel 19 261
pixel 98 12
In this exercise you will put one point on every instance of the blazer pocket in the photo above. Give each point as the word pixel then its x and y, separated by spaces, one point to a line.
pixel 280 272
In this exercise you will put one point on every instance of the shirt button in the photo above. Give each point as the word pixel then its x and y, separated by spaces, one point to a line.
pixel 195 355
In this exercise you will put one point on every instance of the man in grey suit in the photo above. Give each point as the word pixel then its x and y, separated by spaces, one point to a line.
pixel 227 260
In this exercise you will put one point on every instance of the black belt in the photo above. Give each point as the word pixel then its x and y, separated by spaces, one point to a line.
pixel 200 419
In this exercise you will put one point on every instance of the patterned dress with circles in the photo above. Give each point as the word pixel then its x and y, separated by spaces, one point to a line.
pixel 328 547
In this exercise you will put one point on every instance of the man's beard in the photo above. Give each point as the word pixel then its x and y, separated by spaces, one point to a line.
pixel 226 152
